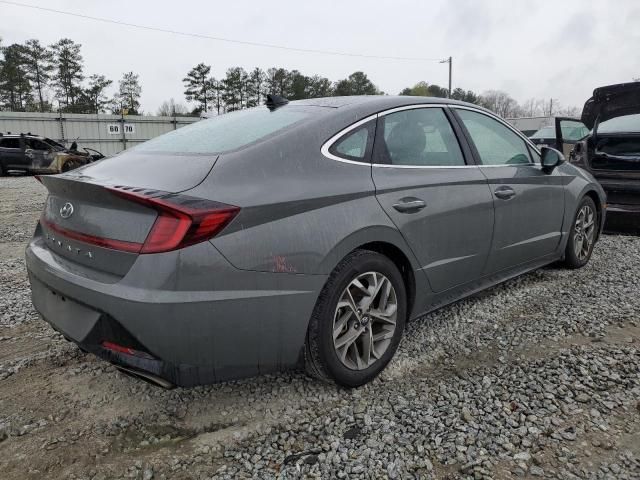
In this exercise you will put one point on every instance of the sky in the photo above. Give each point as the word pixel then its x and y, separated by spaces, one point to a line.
pixel 560 49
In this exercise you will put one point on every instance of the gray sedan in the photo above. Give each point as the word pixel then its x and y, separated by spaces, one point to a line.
pixel 299 233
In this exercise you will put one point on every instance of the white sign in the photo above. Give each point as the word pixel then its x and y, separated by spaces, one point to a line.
pixel 115 129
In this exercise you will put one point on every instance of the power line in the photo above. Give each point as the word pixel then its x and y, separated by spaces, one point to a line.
pixel 218 39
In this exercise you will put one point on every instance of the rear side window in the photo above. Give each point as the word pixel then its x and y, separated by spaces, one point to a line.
pixel 496 144
pixel 420 137
pixel 354 145
pixel 10 143
pixel 227 132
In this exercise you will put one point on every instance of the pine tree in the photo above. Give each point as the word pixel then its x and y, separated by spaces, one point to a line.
pixel 38 63
pixel 200 86
pixel 95 93
pixel 15 88
pixel 68 72
pixel 129 93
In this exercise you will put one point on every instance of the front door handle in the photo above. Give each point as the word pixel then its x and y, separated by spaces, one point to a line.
pixel 504 193
pixel 409 205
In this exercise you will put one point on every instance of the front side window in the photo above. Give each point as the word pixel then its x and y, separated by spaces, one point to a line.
pixel 573 130
pixel 36 144
pixel 420 137
pixel 496 144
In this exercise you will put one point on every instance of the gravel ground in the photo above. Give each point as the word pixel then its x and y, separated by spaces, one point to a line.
pixel 539 377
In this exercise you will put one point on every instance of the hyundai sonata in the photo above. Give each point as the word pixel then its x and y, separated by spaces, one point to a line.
pixel 299 233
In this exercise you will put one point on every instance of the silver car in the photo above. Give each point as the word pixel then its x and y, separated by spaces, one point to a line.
pixel 299 233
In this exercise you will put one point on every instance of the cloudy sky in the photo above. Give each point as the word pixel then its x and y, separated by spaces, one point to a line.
pixel 529 48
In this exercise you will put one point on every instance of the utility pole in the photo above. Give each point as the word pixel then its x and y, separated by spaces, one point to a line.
pixel 450 62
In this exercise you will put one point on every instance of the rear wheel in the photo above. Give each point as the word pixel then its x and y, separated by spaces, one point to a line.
pixel 358 320
pixel 3 170
pixel 582 236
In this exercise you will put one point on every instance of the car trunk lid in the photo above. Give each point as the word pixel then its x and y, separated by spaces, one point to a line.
pixel 610 102
pixel 104 219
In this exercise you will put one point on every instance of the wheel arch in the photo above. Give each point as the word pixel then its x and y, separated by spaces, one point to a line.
pixel 591 193
pixel 388 242
pixel 403 264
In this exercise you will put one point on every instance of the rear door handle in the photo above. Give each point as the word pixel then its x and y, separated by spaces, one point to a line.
pixel 409 205
pixel 504 193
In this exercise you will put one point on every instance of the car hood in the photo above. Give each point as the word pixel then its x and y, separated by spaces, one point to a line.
pixel 610 102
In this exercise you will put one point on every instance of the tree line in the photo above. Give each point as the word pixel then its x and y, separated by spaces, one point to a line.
pixel 34 77
pixel 39 78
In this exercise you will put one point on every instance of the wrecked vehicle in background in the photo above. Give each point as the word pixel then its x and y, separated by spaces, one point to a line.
pixel 611 152
pixel 36 154
pixel 572 133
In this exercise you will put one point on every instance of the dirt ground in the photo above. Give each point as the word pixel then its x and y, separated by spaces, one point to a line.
pixel 66 414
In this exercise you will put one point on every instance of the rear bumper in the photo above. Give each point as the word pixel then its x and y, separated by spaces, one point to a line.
pixel 199 319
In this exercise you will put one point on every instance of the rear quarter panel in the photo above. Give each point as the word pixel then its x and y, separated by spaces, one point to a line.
pixel 301 212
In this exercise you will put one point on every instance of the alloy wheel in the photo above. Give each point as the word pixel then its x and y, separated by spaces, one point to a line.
pixel 365 320
pixel 584 232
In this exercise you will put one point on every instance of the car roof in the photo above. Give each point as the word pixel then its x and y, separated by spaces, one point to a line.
pixel 18 135
pixel 375 101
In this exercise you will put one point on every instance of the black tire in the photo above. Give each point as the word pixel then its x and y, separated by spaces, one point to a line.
pixel 69 165
pixel 572 258
pixel 3 170
pixel 321 358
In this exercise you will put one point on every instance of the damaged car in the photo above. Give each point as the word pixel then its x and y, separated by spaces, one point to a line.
pixel 611 152
pixel 302 233
pixel 40 155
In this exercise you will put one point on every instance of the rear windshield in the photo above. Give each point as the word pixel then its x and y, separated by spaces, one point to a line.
pixel 625 124
pixel 223 133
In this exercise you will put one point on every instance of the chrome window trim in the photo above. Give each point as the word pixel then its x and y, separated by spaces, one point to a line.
pixel 412 107
pixel 329 143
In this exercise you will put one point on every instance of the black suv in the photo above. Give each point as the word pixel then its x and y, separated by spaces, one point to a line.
pixel 36 154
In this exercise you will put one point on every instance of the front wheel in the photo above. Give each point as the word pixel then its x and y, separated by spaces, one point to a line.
pixel 358 320
pixel 70 165
pixel 582 236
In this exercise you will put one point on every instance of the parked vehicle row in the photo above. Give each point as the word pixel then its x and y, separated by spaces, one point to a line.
pixel 304 232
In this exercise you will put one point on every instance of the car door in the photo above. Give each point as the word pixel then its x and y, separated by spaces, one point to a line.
pixel 37 153
pixel 439 202
pixel 529 203
pixel 12 152
pixel 569 131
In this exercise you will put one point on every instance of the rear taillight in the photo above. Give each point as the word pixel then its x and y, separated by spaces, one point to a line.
pixel 181 220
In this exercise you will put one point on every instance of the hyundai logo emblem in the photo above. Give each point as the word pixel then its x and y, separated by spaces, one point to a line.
pixel 66 210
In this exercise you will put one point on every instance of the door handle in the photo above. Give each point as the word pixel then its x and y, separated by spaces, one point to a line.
pixel 409 205
pixel 504 193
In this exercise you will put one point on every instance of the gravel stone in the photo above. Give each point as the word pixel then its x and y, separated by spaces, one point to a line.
pixel 505 384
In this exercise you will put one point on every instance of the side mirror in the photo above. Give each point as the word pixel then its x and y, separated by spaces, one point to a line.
pixel 551 158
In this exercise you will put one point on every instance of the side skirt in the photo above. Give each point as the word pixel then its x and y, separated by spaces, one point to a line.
pixel 458 293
